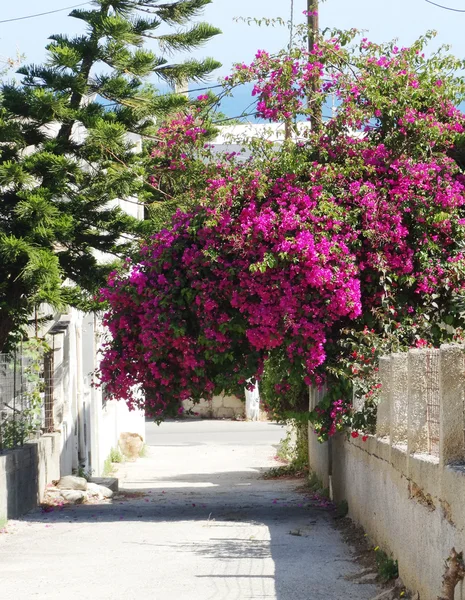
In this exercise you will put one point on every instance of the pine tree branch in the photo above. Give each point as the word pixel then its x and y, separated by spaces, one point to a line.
pixel 176 13
pixel 83 77
pixel 195 37
pixel 189 70
pixel 54 212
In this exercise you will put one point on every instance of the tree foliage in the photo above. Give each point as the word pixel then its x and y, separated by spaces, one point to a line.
pixel 315 255
pixel 68 148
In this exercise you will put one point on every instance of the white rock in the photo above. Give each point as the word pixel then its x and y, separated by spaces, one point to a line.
pixel 73 496
pixel 131 444
pixel 106 492
pixel 93 489
pixel 70 482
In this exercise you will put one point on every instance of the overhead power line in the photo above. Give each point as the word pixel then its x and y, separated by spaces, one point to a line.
pixel 446 7
pixel 50 12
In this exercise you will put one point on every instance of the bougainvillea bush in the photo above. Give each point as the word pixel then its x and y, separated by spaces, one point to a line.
pixel 315 256
pixel 225 286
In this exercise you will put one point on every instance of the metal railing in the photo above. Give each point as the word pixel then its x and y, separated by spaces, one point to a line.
pixel 433 401
pixel 26 398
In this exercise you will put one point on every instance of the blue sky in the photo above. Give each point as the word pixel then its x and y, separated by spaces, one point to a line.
pixel 404 19
pixel 384 20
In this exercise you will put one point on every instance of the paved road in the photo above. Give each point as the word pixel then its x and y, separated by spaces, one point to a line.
pixel 201 525
pixel 199 432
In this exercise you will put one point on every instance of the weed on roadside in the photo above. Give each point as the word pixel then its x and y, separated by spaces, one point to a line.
pixel 143 451
pixel 116 456
pixel 387 567
pixel 342 510
pixel 83 472
pixel 291 470
pixel 108 468
pixel 371 559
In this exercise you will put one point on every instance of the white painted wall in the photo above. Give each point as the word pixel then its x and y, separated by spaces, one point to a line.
pixel 89 427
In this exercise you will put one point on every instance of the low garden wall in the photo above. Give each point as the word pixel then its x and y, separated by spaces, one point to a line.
pixel 220 407
pixel 25 472
pixel 406 485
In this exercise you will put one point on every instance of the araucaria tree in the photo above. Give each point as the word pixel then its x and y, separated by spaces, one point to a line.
pixel 312 257
pixel 66 152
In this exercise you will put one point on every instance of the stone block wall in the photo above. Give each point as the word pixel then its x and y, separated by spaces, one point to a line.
pixel 406 485
pixel 220 407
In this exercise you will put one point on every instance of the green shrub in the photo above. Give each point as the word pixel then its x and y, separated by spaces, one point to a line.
pixel 387 567
pixel 116 456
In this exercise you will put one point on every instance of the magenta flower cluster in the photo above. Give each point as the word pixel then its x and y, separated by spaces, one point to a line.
pixel 212 296
pixel 221 289
pixel 361 227
pixel 281 83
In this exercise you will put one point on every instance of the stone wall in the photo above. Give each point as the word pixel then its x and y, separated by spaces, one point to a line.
pixel 406 485
pixel 25 473
pixel 220 407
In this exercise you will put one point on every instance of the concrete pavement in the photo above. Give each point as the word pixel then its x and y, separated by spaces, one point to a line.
pixel 201 525
pixel 195 432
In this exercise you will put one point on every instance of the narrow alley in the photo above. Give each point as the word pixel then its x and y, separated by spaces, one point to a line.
pixel 197 522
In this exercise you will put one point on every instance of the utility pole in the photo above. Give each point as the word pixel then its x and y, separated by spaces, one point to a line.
pixel 313 33
pixel 287 123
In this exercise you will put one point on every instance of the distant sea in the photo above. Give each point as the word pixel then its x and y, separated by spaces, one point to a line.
pixel 241 104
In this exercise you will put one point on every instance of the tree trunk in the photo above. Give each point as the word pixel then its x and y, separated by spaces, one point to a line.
pixel 7 325
pixel 313 32
pixel 455 572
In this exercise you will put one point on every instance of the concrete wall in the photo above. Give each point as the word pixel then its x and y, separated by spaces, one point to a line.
pixel 115 418
pixel 24 474
pixel 105 420
pixel 86 427
pixel 220 407
pixel 408 498
pixel 318 453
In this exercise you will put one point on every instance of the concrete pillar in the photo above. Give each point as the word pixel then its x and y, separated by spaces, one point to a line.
pixel 72 370
pixel 92 396
pixel 58 388
pixel 68 460
pixel 399 398
pixel 315 395
pixel 451 384
pixel 417 408
pixel 252 404
pixel 318 454
pixel 81 400
pixel 383 418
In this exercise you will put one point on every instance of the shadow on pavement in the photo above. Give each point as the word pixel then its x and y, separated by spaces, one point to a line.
pixel 293 557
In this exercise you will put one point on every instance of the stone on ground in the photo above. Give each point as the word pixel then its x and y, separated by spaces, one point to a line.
pixel 131 445
pixel 74 496
pixel 93 490
pixel 108 482
pixel 70 482
pixel 106 492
